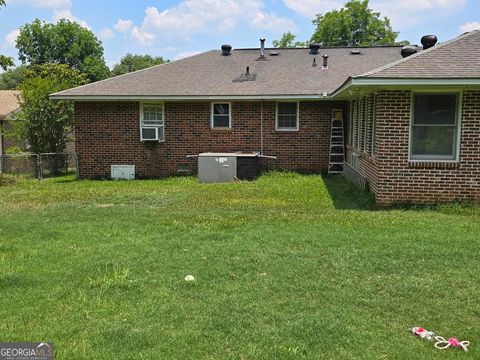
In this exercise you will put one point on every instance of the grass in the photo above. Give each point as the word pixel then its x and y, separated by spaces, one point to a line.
pixel 287 267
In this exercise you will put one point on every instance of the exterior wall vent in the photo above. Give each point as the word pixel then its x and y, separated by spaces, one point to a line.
pixel 123 172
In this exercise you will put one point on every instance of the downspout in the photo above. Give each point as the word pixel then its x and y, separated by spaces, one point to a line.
pixel 261 127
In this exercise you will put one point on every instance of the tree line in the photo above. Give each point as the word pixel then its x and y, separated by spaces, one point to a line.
pixel 62 55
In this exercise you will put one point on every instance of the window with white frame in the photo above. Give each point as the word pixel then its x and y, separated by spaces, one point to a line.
pixel 287 116
pixel 434 127
pixel 374 125
pixel 221 115
pixel 151 122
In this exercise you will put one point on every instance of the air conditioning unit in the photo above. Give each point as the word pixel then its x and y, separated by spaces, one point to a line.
pixel 123 172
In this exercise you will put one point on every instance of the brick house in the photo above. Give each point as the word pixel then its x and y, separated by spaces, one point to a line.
pixel 411 117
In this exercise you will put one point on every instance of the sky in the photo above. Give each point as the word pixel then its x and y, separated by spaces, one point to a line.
pixel 177 29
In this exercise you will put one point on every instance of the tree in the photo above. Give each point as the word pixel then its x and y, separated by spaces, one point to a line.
pixel 11 79
pixel 45 123
pixel 65 42
pixel 133 62
pixel 5 62
pixel 353 25
pixel 288 41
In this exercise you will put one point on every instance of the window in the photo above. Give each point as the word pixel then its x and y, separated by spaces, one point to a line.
pixel 287 116
pixel 434 127
pixel 221 115
pixel 151 122
pixel 374 125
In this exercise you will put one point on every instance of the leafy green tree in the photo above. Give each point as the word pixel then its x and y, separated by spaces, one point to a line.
pixel 45 123
pixel 12 78
pixel 133 62
pixel 353 25
pixel 288 41
pixel 5 62
pixel 65 42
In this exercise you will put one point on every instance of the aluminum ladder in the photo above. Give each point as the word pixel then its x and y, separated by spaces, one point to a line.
pixel 336 156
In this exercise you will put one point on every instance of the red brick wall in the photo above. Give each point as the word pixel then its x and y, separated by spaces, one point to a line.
pixel 108 133
pixel 394 179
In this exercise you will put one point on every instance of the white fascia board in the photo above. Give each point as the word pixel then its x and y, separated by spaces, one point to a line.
pixel 373 82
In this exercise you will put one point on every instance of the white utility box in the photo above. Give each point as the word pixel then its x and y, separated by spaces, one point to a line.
pixel 123 172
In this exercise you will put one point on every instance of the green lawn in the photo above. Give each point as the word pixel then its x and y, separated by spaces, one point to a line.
pixel 287 267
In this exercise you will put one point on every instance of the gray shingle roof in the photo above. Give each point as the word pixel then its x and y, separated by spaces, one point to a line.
pixel 457 58
pixel 210 74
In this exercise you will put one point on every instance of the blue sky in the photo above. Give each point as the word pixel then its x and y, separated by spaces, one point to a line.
pixel 176 29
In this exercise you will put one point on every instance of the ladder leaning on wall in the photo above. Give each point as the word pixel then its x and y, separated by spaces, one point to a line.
pixel 336 155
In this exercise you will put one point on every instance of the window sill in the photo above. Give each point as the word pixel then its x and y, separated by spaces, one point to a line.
pixel 433 164
pixel 287 130
pixel 221 128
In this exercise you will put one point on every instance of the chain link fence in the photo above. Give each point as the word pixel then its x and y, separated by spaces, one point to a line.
pixel 39 166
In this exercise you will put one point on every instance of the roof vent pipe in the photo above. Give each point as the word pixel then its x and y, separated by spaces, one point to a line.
pixel 314 48
pixel 325 61
pixel 262 48
pixel 428 41
pixel 408 50
pixel 226 49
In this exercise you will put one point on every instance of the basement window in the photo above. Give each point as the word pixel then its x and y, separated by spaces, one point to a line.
pixel 287 116
pixel 221 116
pixel 435 127
pixel 151 122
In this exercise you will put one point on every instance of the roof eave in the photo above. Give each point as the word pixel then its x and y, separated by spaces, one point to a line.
pixel 186 97
pixel 341 92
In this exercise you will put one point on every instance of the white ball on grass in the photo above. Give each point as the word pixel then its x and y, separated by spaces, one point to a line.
pixel 189 278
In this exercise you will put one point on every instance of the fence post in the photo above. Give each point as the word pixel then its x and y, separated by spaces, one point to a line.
pixel 39 163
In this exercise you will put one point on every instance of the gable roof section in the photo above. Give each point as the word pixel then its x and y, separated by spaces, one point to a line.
pixel 210 75
pixel 8 102
pixel 452 63
pixel 457 58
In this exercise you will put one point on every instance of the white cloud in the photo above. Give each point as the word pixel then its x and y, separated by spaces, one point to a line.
pixel 67 14
pixel 11 37
pixel 186 54
pixel 143 37
pixel 44 3
pixel 469 26
pixel 194 17
pixel 106 34
pixel 270 21
pixel 310 8
pixel 406 13
pixel 402 13
pixel 123 25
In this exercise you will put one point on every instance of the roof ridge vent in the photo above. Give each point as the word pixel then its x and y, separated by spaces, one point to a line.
pixel 428 41
pixel 226 50
pixel 408 50
pixel 314 47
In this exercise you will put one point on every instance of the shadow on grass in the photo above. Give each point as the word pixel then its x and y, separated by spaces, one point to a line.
pixel 346 196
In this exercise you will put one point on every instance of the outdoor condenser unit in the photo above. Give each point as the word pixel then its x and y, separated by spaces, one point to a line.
pixel 225 167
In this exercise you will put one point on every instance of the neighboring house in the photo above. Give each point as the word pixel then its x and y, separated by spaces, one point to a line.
pixel 412 125
pixel 8 106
